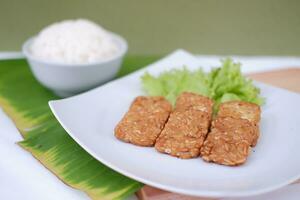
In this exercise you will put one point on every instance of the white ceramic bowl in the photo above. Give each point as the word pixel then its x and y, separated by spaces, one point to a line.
pixel 69 79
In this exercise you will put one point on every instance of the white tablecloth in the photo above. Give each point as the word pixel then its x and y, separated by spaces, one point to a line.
pixel 23 177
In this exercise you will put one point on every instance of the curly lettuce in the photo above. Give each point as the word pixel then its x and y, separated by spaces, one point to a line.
pixel 227 83
pixel 222 84
pixel 171 83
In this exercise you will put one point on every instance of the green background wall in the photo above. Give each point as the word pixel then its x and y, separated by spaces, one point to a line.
pixel 264 27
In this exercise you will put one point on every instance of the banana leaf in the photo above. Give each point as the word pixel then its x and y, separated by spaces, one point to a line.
pixel 26 102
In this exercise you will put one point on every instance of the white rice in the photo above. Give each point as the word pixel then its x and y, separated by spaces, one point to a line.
pixel 74 42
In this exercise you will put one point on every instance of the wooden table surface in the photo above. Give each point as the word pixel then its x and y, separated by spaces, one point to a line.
pixel 287 78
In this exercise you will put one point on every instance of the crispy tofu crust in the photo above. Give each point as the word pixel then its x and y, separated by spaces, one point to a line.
pixel 240 110
pixel 144 121
pixel 233 132
pixel 187 126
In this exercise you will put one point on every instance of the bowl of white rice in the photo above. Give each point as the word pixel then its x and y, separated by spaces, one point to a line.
pixel 73 56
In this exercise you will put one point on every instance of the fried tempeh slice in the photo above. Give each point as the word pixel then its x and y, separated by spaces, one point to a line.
pixel 225 148
pixel 241 128
pixel 242 110
pixel 144 121
pixel 183 134
pixel 189 100
pixel 229 141
pixel 187 126
pixel 233 131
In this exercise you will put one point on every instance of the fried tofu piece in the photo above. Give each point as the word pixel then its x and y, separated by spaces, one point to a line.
pixel 187 126
pixel 233 132
pixel 144 121
pixel 240 110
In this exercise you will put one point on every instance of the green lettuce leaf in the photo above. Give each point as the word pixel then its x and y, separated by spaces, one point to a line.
pixel 225 83
pixel 171 83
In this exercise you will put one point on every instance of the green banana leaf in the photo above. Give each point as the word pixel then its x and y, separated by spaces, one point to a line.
pixel 26 102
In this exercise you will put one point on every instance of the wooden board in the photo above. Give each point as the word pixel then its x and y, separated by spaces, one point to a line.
pixel 287 78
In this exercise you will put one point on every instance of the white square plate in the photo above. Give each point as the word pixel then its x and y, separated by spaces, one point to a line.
pixel 90 119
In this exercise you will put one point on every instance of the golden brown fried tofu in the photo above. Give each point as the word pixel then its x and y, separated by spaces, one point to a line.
pixel 187 126
pixel 144 121
pixel 240 110
pixel 225 148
